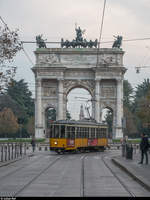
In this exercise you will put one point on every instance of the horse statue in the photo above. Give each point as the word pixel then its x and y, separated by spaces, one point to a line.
pixel 118 42
pixel 40 42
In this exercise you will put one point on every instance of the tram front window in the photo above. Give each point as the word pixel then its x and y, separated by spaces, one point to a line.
pixel 62 132
pixel 56 131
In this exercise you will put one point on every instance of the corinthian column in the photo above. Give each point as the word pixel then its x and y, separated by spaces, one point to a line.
pixel 60 99
pixel 119 116
pixel 38 109
pixel 97 99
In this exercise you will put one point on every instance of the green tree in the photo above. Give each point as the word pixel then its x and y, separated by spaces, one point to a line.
pixel 141 106
pixel 8 123
pixel 127 94
pixel 143 111
pixel 30 127
pixel 131 128
pixel 7 101
pixel 19 92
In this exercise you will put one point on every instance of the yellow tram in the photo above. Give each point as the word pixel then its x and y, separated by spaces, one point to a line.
pixel 78 136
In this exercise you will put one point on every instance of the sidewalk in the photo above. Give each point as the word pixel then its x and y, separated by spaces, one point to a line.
pixel 140 172
pixel 28 153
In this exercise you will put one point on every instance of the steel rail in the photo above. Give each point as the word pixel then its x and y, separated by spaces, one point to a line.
pixel 35 177
pixel 82 184
pixel 120 181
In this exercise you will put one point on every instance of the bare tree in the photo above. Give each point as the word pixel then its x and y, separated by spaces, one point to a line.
pixel 9 46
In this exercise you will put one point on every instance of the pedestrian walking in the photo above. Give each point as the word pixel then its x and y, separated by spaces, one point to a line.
pixel 144 145
pixel 33 144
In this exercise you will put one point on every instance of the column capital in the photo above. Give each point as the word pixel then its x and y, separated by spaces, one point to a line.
pixel 60 79
pixel 38 82
pixel 98 79
pixel 119 80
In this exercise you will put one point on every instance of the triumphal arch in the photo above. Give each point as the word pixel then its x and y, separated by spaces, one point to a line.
pixel 98 70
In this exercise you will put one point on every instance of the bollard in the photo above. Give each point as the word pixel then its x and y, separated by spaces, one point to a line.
pixel 40 148
pixel 5 152
pixel 2 149
pixel 134 147
pixel 15 150
pixel 123 150
pixel 20 149
pixel 8 151
pixel 25 145
pixel 12 151
pixel 45 148
pixel 129 151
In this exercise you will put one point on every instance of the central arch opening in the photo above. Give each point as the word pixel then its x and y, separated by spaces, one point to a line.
pixel 79 104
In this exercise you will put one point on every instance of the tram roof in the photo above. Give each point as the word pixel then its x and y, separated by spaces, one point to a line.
pixel 80 122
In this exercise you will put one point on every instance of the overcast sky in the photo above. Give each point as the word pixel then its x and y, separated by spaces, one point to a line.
pixel 56 19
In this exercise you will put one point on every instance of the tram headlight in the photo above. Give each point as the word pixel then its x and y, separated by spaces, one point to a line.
pixel 55 143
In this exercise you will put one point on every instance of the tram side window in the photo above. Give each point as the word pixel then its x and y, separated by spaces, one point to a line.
pixel 96 132
pixel 82 132
pixel 86 132
pixel 78 132
pixel 103 132
pixel 68 132
pixel 62 131
pixel 92 132
pixel 72 132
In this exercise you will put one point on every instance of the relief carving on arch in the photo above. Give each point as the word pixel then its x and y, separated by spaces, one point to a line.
pixel 49 91
pixel 108 104
pixel 87 84
pixel 109 91
pixel 47 104
pixel 48 58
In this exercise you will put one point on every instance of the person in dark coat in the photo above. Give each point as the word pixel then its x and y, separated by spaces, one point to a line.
pixel 33 144
pixel 144 145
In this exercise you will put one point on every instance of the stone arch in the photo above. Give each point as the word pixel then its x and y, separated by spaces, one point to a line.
pixel 46 107
pixel 71 84
pixel 111 128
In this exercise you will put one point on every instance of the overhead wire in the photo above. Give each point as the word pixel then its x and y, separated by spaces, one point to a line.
pixel 101 28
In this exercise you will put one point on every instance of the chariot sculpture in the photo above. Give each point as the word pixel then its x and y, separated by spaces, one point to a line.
pixel 79 41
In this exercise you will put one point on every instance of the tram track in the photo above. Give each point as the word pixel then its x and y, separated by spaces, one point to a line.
pixel 120 181
pixel 22 167
pixel 82 185
pixel 36 176
pixel 83 176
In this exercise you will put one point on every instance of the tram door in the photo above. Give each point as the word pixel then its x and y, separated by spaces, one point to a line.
pixel 70 136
